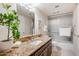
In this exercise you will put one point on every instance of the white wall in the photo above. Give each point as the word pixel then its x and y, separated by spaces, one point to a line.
pixel 41 21
pixel 76 30
pixel 55 23
pixel 13 7
pixel 4 29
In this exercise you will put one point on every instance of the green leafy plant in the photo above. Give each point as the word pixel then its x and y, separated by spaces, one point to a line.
pixel 10 19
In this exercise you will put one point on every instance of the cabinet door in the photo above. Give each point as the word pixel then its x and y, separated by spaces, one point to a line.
pixel 49 50
pixel 44 53
pixel 76 45
pixel 39 52
pixel 76 20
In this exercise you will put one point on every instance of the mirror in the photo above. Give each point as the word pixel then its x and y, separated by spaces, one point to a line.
pixel 26 17
pixel 32 19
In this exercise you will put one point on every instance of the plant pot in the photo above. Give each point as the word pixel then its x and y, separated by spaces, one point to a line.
pixel 4 45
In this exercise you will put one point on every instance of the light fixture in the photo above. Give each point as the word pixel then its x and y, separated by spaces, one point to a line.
pixel 31 5
pixel 34 4
pixel 57 6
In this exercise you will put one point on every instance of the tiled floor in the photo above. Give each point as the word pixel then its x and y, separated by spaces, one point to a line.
pixel 62 48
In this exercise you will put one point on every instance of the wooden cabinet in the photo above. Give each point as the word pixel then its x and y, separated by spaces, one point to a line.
pixel 45 50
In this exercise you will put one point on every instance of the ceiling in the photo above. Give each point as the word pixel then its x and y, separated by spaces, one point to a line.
pixel 56 8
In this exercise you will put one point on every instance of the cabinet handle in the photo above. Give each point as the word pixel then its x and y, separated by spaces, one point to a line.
pixel 76 35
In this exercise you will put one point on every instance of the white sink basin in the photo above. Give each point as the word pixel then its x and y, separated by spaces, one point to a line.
pixel 35 42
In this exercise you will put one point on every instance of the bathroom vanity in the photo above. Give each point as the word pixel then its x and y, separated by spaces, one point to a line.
pixel 40 46
pixel 44 50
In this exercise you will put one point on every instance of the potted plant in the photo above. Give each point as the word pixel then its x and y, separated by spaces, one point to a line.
pixel 9 19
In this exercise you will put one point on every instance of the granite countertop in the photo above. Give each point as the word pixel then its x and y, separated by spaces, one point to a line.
pixel 26 49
